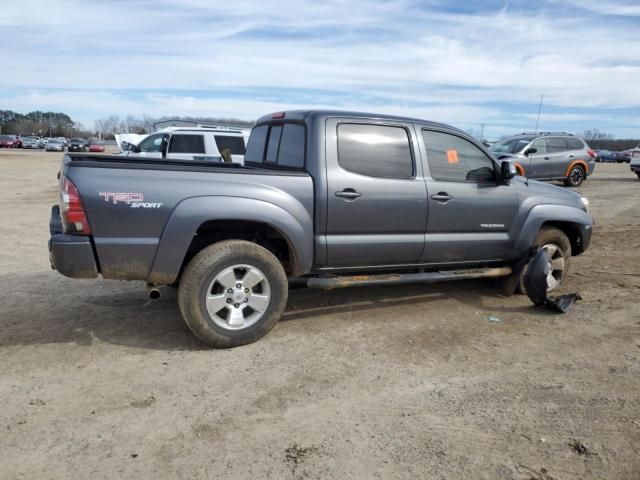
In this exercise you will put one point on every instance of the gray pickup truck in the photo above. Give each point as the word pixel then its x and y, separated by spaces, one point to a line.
pixel 327 198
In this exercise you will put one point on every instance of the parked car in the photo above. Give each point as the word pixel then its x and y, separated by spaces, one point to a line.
pixel 8 141
pixel 63 140
pixel 605 156
pixel 208 144
pixel 626 155
pixel 96 147
pixel 548 156
pixel 54 145
pixel 331 199
pixel 77 145
pixel 30 142
pixel 635 163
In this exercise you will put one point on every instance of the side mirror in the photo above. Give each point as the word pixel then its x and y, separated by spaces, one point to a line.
pixel 507 170
pixel 530 151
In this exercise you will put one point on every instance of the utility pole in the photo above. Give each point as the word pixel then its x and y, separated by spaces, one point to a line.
pixel 539 110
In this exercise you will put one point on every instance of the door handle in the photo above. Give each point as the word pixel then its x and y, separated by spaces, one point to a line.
pixel 572 156
pixel 348 193
pixel 441 197
pixel 547 158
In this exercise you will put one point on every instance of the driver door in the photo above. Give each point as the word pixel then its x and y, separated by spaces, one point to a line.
pixel 470 212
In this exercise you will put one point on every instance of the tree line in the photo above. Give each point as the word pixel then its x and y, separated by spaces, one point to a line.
pixel 46 124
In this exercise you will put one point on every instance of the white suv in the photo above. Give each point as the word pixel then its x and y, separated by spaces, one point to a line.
pixel 212 144
pixel 635 160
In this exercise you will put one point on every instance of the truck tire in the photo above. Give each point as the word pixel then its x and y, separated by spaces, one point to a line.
pixel 558 247
pixel 576 176
pixel 232 293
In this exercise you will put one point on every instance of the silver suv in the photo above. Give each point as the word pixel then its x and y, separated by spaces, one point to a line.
pixel 548 156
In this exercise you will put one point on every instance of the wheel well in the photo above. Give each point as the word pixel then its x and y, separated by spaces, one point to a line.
pixel 571 231
pixel 257 232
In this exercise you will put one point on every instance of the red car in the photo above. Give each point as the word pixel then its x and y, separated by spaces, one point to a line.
pixel 10 141
pixel 97 147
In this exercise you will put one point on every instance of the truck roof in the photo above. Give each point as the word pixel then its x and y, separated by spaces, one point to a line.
pixel 302 115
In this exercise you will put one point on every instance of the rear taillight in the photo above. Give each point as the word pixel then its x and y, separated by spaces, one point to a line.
pixel 74 217
pixel 592 154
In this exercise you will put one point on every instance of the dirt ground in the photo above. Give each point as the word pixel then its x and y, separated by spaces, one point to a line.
pixel 96 381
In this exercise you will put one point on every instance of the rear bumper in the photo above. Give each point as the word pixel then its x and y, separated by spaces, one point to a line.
pixel 71 255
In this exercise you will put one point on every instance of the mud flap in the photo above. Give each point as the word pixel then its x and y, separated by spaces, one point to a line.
pixel 535 282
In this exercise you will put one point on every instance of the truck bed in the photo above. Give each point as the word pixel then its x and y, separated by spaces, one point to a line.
pixel 137 207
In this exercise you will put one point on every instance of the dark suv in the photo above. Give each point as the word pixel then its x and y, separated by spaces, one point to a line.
pixel 548 156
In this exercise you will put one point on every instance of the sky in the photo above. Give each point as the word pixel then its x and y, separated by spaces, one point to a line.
pixel 481 65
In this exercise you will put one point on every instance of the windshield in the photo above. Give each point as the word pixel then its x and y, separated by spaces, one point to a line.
pixel 510 145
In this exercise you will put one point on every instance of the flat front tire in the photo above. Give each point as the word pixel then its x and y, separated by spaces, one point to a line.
pixel 232 293
pixel 558 247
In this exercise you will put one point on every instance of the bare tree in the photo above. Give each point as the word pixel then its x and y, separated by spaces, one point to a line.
pixel 595 134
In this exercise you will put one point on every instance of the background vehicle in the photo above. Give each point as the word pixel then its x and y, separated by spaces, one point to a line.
pixel 635 164
pixel 202 144
pixel 322 196
pixel 96 147
pixel 605 156
pixel 54 145
pixel 548 156
pixel 77 145
pixel 30 142
pixel 625 156
pixel 10 141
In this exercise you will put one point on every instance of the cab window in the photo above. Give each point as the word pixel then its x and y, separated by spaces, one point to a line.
pixel 454 159
pixel 540 145
pixel 557 144
pixel 152 143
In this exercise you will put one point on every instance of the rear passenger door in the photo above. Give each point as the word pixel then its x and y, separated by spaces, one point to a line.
pixel 185 146
pixel 376 194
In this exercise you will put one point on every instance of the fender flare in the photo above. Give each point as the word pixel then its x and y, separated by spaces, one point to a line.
pixel 541 214
pixel 519 169
pixel 192 212
pixel 580 162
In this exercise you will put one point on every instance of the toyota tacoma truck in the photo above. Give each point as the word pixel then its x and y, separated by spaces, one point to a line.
pixel 327 198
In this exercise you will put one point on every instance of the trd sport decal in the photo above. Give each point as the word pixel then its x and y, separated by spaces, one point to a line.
pixel 134 200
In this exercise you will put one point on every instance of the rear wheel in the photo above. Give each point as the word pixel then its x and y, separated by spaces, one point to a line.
pixel 232 293
pixel 558 247
pixel 576 176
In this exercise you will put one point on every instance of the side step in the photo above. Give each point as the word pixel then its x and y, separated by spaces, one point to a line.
pixel 398 279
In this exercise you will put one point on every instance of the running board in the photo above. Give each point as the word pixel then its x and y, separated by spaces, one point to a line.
pixel 398 279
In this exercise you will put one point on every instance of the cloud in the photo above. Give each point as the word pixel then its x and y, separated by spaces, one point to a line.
pixel 482 62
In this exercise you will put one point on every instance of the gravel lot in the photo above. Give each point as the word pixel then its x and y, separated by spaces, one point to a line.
pixel 389 382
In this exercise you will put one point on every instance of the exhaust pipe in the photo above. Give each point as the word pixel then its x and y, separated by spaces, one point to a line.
pixel 154 292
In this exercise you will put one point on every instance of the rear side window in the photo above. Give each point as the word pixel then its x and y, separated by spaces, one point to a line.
pixel 234 144
pixel 557 144
pixel 291 152
pixel 455 159
pixel 256 144
pixel 279 145
pixel 575 144
pixel 186 144
pixel 375 150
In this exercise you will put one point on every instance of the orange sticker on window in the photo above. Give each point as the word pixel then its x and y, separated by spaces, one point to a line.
pixel 452 156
